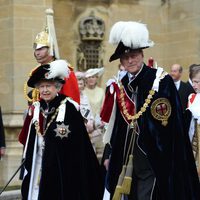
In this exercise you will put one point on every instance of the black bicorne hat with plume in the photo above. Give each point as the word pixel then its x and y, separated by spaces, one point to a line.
pixel 129 36
pixel 55 71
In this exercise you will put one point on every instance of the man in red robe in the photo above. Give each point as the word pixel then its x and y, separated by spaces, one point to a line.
pixel 46 50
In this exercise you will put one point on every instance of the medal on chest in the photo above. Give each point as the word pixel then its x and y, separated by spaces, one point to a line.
pixel 62 130
pixel 161 110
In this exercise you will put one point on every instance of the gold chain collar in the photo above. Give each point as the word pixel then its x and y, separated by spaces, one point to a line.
pixel 136 116
pixel 143 108
pixel 37 125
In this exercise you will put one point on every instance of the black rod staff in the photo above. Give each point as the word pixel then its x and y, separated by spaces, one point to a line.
pixel 12 177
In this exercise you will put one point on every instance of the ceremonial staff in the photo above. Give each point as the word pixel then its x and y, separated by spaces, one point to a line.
pixel 12 177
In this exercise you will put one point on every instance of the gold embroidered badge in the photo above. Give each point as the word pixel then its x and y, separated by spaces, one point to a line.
pixel 161 110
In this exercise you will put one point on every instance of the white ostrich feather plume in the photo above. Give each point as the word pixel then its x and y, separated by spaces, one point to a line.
pixel 59 69
pixel 116 31
pixel 131 34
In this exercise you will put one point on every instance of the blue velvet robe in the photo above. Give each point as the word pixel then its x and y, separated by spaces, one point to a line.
pixel 70 169
pixel 167 148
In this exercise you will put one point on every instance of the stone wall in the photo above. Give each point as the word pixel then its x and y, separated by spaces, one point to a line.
pixel 174 27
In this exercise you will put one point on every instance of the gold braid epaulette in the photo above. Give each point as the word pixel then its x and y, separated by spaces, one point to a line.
pixel 35 92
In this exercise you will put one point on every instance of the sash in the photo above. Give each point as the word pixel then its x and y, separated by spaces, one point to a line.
pixel 125 103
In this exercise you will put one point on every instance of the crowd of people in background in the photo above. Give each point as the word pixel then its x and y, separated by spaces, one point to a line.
pixel 91 100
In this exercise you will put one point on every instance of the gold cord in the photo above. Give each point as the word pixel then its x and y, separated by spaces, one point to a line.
pixel 35 93
pixel 37 126
pixel 25 93
pixel 145 105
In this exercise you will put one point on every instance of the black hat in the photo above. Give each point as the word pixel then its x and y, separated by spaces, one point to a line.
pixel 122 49
pixel 56 70
pixel 129 36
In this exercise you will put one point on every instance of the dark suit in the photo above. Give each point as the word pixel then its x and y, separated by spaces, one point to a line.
pixel 190 86
pixel 184 91
pixel 2 134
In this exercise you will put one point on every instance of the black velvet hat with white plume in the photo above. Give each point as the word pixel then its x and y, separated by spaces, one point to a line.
pixel 55 71
pixel 129 36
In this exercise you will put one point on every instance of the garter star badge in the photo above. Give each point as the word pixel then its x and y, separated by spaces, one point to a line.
pixel 161 110
pixel 62 130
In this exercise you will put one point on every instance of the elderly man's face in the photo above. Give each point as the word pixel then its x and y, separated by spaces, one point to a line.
pixel 47 90
pixel 175 72
pixel 42 55
pixel 132 61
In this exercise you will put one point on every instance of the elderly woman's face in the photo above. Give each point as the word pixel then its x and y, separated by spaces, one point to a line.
pixel 92 80
pixel 47 90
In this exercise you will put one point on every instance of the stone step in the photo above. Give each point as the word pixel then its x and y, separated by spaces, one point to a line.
pixel 11 195
pixel 8 167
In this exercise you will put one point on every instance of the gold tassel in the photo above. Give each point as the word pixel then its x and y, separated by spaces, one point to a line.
pixel 118 190
pixel 126 185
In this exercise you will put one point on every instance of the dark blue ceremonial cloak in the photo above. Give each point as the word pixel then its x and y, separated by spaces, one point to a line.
pixel 167 148
pixel 70 169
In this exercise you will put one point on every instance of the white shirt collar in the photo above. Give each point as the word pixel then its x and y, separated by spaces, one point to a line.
pixel 177 84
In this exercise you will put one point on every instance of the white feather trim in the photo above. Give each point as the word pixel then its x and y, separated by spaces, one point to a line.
pixel 116 31
pixel 59 69
pixel 135 35
pixel 131 34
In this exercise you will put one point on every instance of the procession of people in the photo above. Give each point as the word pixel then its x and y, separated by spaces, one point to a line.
pixel 136 139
